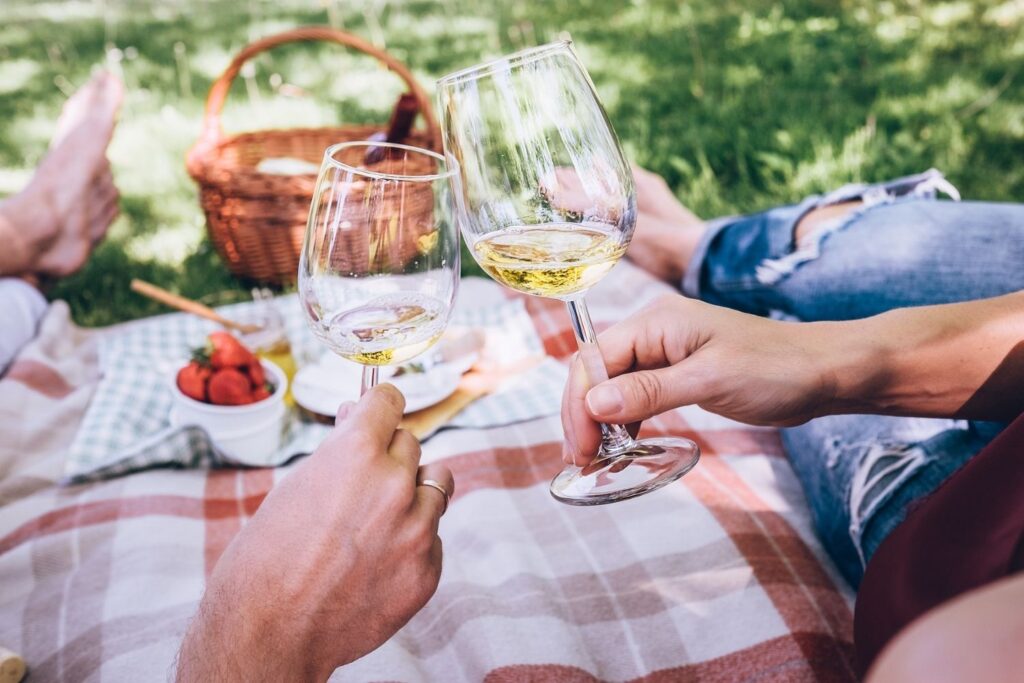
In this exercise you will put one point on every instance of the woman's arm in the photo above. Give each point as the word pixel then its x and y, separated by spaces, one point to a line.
pixel 964 360
pixel 956 360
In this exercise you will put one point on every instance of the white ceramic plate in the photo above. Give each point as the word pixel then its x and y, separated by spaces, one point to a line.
pixel 323 386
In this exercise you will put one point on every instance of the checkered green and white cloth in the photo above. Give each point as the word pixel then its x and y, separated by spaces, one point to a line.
pixel 127 425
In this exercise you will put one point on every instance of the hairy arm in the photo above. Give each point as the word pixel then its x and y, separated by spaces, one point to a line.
pixel 340 555
pixel 239 644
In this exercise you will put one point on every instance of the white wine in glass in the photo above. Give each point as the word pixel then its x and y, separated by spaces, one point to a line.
pixel 554 260
pixel 379 267
pixel 546 203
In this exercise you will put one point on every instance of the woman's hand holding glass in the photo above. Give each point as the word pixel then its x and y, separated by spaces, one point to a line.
pixel 679 352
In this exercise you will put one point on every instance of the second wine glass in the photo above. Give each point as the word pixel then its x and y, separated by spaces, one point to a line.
pixel 379 267
pixel 546 202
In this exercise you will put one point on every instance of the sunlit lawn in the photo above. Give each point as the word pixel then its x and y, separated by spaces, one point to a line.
pixel 741 104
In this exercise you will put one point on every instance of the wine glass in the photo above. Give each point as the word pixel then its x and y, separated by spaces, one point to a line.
pixel 379 267
pixel 547 206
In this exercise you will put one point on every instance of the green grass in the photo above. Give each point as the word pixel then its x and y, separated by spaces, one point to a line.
pixel 741 104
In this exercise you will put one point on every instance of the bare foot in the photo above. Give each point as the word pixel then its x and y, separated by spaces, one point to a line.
pixel 666 231
pixel 51 226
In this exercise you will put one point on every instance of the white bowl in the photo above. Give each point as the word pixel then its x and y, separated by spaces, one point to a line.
pixel 249 434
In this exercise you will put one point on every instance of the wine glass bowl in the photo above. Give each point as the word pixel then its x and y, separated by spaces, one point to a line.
pixel 547 206
pixel 379 267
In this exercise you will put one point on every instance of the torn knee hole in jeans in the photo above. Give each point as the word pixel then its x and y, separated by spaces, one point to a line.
pixel 773 271
pixel 925 185
pixel 882 468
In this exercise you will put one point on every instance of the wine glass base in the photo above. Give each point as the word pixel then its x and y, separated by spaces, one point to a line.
pixel 649 465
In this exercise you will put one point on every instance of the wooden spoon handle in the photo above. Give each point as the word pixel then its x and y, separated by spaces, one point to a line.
pixel 189 306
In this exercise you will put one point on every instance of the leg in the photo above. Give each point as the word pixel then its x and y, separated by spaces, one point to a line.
pixel 861 474
pixel 910 252
pixel 51 226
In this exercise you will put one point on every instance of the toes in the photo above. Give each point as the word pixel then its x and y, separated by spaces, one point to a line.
pixel 102 212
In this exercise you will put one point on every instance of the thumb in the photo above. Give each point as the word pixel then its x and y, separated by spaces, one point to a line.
pixel 636 396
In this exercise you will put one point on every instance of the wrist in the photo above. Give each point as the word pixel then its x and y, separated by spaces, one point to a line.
pixel 856 364
pixel 234 640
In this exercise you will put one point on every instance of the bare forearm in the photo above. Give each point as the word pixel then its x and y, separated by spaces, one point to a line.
pixel 957 360
pixel 231 645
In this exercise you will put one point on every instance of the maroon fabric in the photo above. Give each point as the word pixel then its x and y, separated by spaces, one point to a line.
pixel 965 535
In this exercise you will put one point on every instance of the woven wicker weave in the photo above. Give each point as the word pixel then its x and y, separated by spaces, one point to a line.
pixel 256 220
pixel 386 226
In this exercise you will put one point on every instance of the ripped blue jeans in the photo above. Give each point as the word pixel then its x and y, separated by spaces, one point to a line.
pixel 902 247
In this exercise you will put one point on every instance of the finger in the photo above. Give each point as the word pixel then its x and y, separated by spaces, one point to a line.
pixel 103 188
pixel 634 342
pixel 100 194
pixel 377 414
pixel 639 395
pixel 429 501
pixel 103 175
pixel 582 433
pixel 343 410
pixel 437 554
pixel 406 450
pixel 640 342
pixel 437 560
pixel 101 218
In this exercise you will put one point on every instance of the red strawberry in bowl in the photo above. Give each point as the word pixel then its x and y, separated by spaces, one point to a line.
pixel 227 352
pixel 236 398
pixel 256 374
pixel 229 387
pixel 192 380
pixel 225 373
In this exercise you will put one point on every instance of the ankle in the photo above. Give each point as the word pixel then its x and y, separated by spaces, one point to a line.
pixel 27 226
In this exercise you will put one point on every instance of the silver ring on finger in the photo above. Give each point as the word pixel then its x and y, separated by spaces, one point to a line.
pixel 434 484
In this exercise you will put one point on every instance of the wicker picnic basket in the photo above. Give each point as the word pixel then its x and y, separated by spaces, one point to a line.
pixel 256 220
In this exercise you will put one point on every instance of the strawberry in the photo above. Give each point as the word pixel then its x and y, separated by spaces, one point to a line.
pixel 228 352
pixel 256 374
pixel 192 380
pixel 229 387
pixel 260 393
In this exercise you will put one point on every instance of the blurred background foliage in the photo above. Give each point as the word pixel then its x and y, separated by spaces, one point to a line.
pixel 741 104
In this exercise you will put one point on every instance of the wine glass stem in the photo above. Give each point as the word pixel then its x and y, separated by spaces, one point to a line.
pixel 614 438
pixel 370 375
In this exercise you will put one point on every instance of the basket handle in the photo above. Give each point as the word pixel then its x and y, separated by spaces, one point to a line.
pixel 212 131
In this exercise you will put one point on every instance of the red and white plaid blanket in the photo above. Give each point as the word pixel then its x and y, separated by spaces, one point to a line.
pixel 717 577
